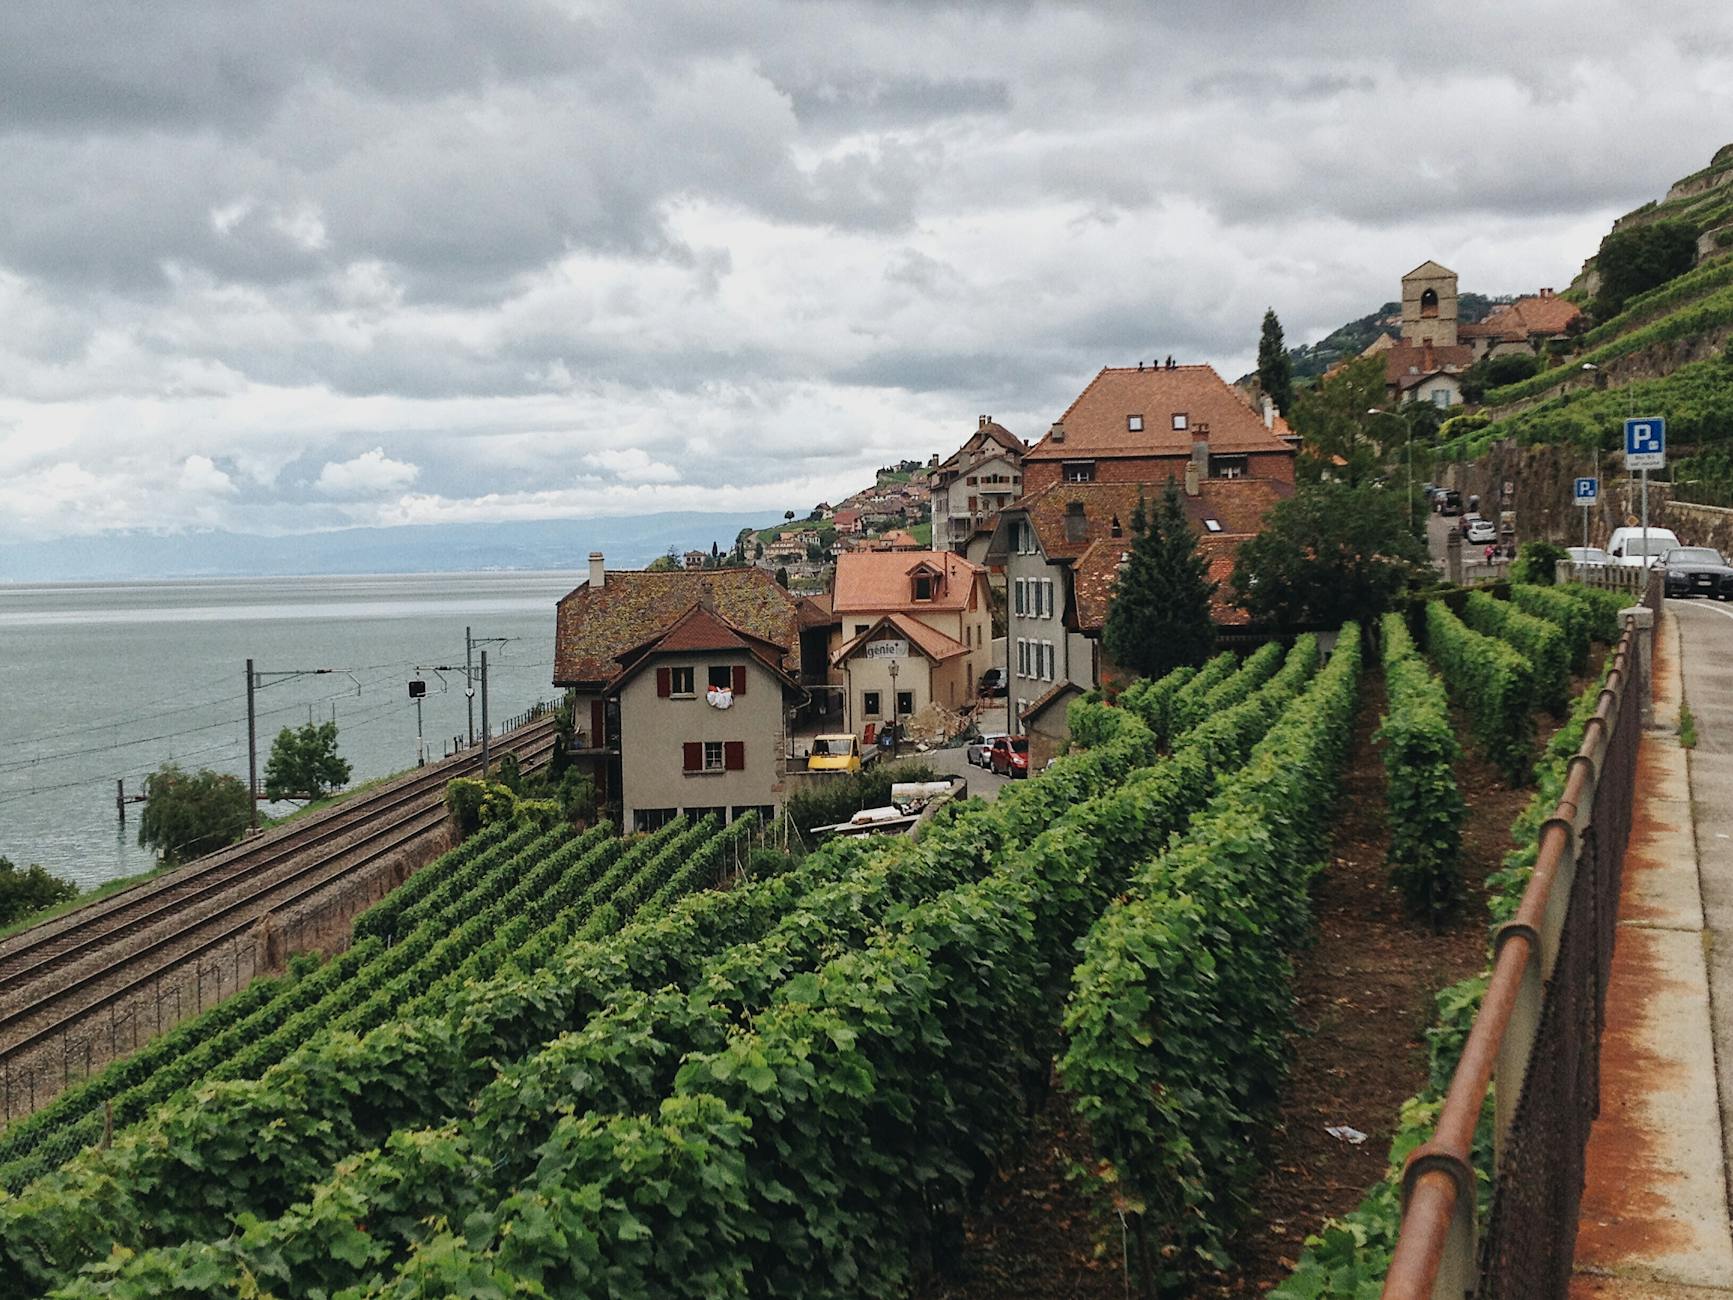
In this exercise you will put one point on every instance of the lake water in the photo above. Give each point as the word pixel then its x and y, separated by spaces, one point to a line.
pixel 109 680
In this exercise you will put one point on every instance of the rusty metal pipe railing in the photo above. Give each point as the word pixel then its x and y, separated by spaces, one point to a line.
pixel 1436 1254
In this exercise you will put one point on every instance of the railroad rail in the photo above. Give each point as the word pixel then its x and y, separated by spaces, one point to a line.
pixel 336 846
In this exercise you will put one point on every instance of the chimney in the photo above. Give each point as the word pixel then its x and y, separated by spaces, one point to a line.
pixel 1170 361
pixel 1426 364
pixel 1057 432
pixel 598 573
pixel 1546 293
pixel 1076 526
pixel 981 422
pixel 1191 477
pixel 1198 466
pixel 1140 367
pixel 1269 412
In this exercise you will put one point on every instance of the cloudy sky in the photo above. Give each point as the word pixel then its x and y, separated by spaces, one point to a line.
pixel 279 267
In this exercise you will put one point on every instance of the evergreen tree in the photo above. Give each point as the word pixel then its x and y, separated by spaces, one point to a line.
pixel 1275 367
pixel 1160 615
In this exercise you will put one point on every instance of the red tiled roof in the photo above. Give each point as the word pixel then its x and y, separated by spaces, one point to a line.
pixel 1407 364
pixel 883 580
pixel 594 627
pixel 1237 504
pixel 698 630
pixel 929 641
pixel 1095 571
pixel 1041 702
pixel 814 610
pixel 1095 424
pixel 1543 314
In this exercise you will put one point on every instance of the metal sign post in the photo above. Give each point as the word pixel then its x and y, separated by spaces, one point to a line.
pixel 1586 493
pixel 1645 449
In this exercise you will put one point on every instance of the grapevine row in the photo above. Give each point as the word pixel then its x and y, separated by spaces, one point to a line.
pixel 1494 685
pixel 1425 805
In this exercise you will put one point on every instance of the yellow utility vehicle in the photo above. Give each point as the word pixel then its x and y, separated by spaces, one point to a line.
pixel 838 753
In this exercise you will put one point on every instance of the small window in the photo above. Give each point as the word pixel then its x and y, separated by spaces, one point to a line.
pixel 1080 471
pixel 1213 525
pixel 680 681
pixel 1113 528
pixel 1018 602
pixel 1441 397
pixel 923 587
pixel 721 677
pixel 905 703
pixel 652 819
pixel 713 759
pixel 869 703
pixel 1134 423
pixel 1180 422
pixel 860 628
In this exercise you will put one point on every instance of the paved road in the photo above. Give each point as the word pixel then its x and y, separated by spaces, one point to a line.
pixel 950 762
pixel 1706 637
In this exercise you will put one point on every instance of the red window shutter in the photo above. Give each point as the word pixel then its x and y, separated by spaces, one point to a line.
pixel 740 679
pixel 664 688
pixel 734 755
pixel 694 750
pixel 598 723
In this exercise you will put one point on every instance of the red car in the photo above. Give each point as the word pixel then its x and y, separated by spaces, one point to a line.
pixel 1009 756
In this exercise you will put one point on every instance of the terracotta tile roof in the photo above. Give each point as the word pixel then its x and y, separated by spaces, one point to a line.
pixel 883 580
pixel 1543 314
pixel 594 627
pixel 698 630
pixel 814 610
pixel 1406 364
pixel 1093 574
pixel 929 641
pixel 1237 504
pixel 902 539
pixel 1095 424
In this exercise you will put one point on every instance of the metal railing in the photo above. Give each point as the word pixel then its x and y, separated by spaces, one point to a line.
pixel 1535 1044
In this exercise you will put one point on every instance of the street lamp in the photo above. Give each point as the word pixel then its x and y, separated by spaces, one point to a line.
pixel 1379 410
pixel 896 736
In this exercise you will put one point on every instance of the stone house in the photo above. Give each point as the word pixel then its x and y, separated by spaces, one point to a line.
pixel 1523 327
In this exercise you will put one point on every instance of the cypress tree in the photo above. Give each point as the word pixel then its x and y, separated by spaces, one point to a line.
pixel 1275 368
pixel 1160 616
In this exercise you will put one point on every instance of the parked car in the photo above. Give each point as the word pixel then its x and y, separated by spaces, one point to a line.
pixel 1697 571
pixel 977 751
pixel 1009 756
pixel 1629 547
pixel 1463 524
pixel 1587 555
pixel 993 683
pixel 1447 501
pixel 1481 531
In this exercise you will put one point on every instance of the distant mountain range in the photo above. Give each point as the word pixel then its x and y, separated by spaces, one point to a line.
pixel 628 542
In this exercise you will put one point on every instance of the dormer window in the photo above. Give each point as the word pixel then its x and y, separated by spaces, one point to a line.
pixel 1180 423
pixel 1134 423
pixel 1213 525
pixel 923 586
pixel 1113 527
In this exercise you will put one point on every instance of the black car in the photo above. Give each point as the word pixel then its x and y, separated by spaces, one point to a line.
pixel 1697 571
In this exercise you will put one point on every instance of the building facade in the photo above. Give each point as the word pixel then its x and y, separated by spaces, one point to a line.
pixel 973 484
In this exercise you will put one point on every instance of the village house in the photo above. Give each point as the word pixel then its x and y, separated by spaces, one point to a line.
pixel 696 559
pixel 1523 327
pixel 1144 424
pixel 912 628
pixel 973 484
pixel 848 520
pixel 1061 550
pixel 650 657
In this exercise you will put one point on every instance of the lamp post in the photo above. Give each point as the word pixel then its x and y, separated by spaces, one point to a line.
pixel 896 736
pixel 1379 410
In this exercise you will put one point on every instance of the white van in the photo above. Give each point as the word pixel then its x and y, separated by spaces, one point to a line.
pixel 1628 547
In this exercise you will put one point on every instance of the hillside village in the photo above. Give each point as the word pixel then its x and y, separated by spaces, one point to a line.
pixel 992 567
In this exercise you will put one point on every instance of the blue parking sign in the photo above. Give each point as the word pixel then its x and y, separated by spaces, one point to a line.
pixel 1646 443
pixel 1588 491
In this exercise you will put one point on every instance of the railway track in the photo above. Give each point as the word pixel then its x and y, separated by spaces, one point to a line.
pixel 227 897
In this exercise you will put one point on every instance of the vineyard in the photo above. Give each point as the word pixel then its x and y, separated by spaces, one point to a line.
pixel 563 1061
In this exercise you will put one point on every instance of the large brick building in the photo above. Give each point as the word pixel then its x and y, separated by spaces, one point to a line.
pixel 1146 424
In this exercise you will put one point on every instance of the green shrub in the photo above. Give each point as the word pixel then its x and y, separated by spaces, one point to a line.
pixel 25 890
pixel 1536 563
pixel 1557 607
pixel 1542 643
pixel 1425 806
pixel 1492 683
pixel 463 799
pixel 1605 609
